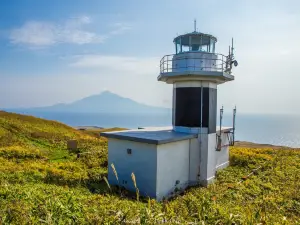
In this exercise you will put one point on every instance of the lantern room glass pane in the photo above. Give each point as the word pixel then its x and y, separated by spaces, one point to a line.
pixel 185 48
pixel 212 45
pixel 195 43
pixel 178 48
pixel 204 48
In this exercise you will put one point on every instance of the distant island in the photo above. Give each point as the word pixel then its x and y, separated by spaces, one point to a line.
pixel 105 102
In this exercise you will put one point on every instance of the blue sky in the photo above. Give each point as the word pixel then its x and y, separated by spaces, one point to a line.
pixel 61 51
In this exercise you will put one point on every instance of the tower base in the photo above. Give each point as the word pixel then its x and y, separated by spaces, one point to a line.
pixel 164 162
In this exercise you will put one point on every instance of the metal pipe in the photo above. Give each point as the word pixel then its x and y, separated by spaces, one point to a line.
pixel 221 116
pixel 201 114
pixel 219 139
pixel 233 135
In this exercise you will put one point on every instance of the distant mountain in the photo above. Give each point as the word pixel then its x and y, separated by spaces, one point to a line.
pixel 106 102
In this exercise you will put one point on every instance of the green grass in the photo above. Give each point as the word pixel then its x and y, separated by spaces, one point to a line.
pixel 41 182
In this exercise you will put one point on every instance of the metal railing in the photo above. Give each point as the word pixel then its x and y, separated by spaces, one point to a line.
pixel 191 61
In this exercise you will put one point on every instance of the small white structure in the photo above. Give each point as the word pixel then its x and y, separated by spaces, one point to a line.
pixel 169 159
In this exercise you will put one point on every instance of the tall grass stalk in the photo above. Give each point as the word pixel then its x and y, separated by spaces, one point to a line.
pixel 116 175
pixel 136 188
pixel 106 181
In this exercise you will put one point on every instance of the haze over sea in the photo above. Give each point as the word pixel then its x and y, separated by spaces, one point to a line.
pixel 265 129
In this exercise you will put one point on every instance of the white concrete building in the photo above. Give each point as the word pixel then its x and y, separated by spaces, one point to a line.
pixel 168 159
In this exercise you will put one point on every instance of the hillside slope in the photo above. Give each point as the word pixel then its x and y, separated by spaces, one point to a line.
pixel 50 137
pixel 41 182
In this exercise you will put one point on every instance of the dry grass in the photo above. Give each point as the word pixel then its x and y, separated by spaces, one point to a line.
pixel 135 186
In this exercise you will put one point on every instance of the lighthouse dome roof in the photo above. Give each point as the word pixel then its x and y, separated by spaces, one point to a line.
pixel 184 39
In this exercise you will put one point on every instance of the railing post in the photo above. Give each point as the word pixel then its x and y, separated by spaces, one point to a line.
pixel 160 65
pixel 186 66
pixel 222 63
pixel 167 64
pixel 194 64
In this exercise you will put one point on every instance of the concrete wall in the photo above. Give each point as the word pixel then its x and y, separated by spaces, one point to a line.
pixel 195 83
pixel 172 166
pixel 194 161
pixel 222 157
pixel 203 138
pixel 141 161
pixel 211 159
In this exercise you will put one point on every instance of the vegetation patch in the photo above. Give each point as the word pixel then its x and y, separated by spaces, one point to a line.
pixel 20 152
pixel 42 182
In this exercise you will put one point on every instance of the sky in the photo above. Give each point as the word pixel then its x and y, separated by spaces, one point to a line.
pixel 61 51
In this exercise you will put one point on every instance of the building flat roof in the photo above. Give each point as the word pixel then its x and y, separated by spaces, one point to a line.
pixel 154 135
pixel 150 136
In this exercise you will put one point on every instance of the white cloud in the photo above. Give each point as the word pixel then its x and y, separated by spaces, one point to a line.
pixel 34 33
pixel 119 28
pixel 42 33
pixel 137 65
pixel 131 77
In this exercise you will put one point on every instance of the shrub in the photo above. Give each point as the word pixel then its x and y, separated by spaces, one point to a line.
pixel 20 152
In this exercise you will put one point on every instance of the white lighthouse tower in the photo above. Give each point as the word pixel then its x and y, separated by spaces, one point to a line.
pixel 167 159
pixel 195 70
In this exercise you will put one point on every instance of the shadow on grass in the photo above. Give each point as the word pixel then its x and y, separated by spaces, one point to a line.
pixel 94 186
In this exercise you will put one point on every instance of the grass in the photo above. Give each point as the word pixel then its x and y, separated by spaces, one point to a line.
pixel 41 182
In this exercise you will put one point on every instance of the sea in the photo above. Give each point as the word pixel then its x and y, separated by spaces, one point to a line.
pixel 280 130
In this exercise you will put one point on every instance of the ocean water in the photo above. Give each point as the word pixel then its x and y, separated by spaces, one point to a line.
pixel 266 129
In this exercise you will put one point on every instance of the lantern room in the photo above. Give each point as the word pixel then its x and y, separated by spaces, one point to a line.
pixel 195 58
pixel 195 42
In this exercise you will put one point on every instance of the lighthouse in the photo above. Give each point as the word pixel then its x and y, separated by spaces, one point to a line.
pixel 195 70
pixel 166 160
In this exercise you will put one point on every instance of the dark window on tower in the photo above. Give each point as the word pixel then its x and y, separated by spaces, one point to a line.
pixel 205 113
pixel 188 107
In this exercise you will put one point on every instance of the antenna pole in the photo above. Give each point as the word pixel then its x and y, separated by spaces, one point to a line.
pixel 221 117
pixel 233 136
pixel 232 46
pixel 219 139
pixel 195 25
